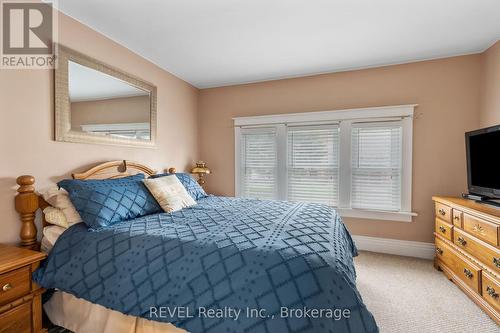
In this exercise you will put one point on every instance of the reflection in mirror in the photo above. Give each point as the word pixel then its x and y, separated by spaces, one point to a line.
pixel 105 105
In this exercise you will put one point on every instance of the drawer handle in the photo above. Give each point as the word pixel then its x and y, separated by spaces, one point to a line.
pixel 442 211
pixel 462 241
pixel 439 251
pixel 477 228
pixel 456 217
pixel 7 287
pixel 492 292
pixel 496 261
pixel 442 229
pixel 468 273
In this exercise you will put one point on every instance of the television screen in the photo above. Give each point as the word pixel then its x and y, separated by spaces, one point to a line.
pixel 483 161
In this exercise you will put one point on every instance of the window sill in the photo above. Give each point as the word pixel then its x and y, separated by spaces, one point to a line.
pixel 376 214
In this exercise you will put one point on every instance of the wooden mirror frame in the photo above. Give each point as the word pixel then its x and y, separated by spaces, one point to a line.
pixel 63 131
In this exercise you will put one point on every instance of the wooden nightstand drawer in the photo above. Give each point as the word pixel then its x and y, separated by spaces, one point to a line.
pixel 20 299
pixel 481 229
pixel 15 284
pixel 443 212
pixel 16 320
pixel 444 229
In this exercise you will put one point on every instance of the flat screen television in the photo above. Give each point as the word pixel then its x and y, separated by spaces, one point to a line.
pixel 483 162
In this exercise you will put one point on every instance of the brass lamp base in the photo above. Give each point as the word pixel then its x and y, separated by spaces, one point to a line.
pixel 201 180
pixel 200 169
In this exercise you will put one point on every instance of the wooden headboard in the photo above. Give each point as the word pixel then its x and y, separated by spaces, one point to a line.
pixel 28 201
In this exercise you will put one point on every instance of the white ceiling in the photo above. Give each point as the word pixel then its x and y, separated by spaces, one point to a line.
pixel 221 42
pixel 87 84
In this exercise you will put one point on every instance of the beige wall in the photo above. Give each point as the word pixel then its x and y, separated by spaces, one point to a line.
pixel 489 88
pixel 446 91
pixel 110 111
pixel 189 121
pixel 27 131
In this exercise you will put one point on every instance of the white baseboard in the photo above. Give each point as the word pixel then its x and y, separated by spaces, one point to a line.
pixel 395 246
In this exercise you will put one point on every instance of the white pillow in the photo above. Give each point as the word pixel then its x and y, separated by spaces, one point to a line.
pixel 170 193
pixel 59 198
pixel 55 216
pixel 50 236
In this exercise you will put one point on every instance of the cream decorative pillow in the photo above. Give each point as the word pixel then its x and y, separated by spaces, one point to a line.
pixel 170 193
pixel 50 236
pixel 59 198
pixel 55 216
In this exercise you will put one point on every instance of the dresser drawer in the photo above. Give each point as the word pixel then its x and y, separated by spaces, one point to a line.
pixel 16 320
pixel 463 268
pixel 443 212
pixel 457 218
pixel 485 253
pixel 481 229
pixel 469 273
pixel 444 229
pixel 491 290
pixel 14 284
pixel 445 253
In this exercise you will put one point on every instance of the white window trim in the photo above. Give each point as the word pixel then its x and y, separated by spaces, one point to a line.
pixel 237 161
pixel 281 147
pixel 329 116
pixel 345 118
pixel 376 214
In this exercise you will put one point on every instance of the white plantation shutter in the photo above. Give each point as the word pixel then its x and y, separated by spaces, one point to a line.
pixel 376 165
pixel 258 163
pixel 358 161
pixel 313 164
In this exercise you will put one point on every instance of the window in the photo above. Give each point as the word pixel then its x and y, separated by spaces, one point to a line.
pixel 258 163
pixel 376 166
pixel 313 164
pixel 358 161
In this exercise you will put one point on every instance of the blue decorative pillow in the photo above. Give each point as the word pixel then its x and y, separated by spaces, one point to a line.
pixel 105 202
pixel 192 187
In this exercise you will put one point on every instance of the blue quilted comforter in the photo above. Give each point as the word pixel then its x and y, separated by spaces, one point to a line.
pixel 224 265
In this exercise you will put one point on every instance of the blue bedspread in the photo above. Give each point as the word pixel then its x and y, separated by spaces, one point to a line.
pixel 287 267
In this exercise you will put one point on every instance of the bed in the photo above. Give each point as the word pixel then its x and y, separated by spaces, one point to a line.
pixel 223 265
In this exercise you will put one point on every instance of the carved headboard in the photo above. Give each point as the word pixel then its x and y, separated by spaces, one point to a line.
pixel 28 201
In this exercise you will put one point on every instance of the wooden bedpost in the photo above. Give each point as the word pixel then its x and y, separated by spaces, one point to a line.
pixel 171 170
pixel 26 205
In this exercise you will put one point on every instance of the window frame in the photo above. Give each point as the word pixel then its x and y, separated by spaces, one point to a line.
pixel 344 119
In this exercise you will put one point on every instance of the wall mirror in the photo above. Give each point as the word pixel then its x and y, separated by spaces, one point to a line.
pixel 96 103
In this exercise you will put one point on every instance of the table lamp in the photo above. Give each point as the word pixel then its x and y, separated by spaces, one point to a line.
pixel 200 169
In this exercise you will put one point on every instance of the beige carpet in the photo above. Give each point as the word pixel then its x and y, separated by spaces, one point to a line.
pixel 409 295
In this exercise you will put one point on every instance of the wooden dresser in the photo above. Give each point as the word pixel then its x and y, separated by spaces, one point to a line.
pixel 20 297
pixel 467 249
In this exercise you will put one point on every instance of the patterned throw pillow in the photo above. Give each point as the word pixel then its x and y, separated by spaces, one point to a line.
pixel 55 216
pixel 169 193
pixel 192 187
pixel 59 198
pixel 105 202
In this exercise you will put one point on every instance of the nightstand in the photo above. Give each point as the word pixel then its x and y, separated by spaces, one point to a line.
pixel 20 297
